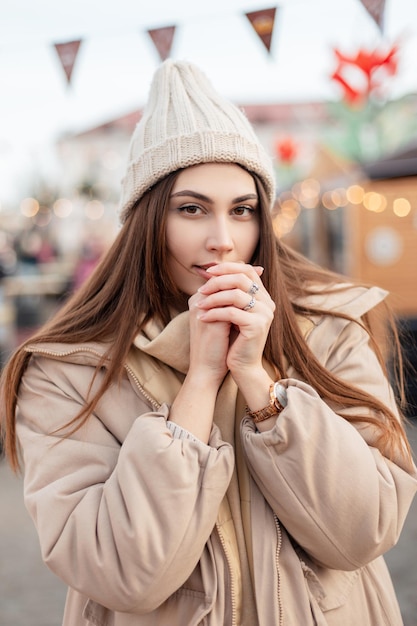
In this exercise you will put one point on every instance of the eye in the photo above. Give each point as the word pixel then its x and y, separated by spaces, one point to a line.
pixel 244 211
pixel 190 209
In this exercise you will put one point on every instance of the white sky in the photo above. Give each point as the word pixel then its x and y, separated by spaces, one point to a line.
pixel 117 59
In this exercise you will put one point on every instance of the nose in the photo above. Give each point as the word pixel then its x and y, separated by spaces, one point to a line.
pixel 220 237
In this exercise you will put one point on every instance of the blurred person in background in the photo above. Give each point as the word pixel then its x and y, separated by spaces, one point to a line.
pixel 207 429
pixel 34 247
pixel 90 254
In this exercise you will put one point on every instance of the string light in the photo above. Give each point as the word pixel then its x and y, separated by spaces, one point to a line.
pixel 29 207
pixel 401 207
pixel 62 207
pixel 327 201
pixel 308 193
pixel 339 197
pixel 375 202
pixel 355 194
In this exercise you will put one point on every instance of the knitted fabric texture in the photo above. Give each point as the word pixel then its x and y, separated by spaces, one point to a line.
pixel 186 122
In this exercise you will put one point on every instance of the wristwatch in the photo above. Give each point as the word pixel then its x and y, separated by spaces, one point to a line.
pixel 277 403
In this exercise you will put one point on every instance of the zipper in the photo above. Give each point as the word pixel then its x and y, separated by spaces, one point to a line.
pixel 278 568
pixel 64 353
pixel 35 350
pixel 232 581
pixel 143 391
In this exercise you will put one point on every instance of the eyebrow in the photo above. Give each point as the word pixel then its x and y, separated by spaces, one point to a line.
pixel 203 198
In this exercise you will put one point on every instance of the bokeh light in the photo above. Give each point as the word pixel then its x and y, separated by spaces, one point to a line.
pixel 375 202
pixel 401 207
pixel 29 207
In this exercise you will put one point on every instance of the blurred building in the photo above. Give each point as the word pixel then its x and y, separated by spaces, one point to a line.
pixel 385 238
pixel 328 202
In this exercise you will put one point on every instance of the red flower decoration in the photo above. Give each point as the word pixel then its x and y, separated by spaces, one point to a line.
pixel 364 73
pixel 286 150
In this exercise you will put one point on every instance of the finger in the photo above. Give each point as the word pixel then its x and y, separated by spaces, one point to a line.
pixel 224 298
pixel 257 319
pixel 237 299
pixel 228 282
pixel 247 284
pixel 250 305
pixel 253 288
pixel 231 267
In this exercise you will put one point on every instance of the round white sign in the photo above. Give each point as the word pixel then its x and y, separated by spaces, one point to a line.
pixel 383 246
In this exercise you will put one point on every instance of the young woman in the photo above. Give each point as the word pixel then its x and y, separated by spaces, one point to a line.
pixel 207 429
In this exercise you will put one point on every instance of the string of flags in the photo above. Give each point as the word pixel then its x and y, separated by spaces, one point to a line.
pixel 67 53
pixel 376 9
pixel 262 22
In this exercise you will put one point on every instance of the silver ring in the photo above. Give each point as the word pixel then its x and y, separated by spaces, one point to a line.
pixel 250 305
pixel 253 289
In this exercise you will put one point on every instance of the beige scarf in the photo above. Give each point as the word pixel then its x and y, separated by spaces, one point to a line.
pixel 160 359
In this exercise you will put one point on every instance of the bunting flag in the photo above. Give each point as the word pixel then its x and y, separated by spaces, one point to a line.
pixel 67 53
pixel 263 25
pixel 376 9
pixel 162 39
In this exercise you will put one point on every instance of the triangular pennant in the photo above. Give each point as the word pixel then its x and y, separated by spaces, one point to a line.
pixel 67 53
pixel 162 39
pixel 376 9
pixel 263 25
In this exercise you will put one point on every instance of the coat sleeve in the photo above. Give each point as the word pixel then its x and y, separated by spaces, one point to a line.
pixel 341 499
pixel 123 523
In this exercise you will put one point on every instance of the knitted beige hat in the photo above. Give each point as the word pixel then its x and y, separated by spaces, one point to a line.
pixel 186 122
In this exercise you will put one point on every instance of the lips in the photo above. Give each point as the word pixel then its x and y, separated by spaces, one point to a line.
pixel 202 270
pixel 205 267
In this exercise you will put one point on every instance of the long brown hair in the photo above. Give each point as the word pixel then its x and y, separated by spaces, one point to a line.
pixel 133 284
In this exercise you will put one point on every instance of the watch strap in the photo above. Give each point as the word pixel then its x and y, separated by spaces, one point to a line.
pixel 277 403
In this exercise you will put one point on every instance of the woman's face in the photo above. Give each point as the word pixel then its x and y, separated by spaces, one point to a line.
pixel 212 217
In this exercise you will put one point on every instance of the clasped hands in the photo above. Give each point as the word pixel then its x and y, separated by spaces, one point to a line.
pixel 230 317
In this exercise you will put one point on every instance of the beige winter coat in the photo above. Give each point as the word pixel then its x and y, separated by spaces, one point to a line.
pixel 132 519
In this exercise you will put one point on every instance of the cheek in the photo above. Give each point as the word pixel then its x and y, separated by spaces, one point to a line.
pixel 249 240
pixel 171 236
pixel 181 237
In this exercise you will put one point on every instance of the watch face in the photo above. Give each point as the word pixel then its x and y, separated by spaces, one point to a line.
pixel 280 394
